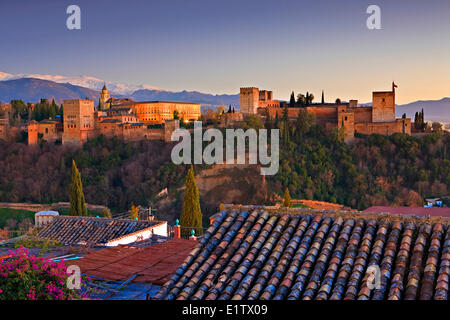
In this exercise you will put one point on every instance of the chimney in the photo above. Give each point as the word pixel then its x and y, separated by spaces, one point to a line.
pixel 193 237
pixel 177 230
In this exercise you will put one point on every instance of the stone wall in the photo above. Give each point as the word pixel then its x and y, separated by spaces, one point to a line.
pixel 385 128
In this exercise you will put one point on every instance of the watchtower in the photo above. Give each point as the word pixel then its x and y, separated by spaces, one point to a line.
pixel 249 98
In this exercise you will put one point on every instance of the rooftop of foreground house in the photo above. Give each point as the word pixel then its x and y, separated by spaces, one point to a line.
pixel 254 252
pixel 151 264
pixel 91 230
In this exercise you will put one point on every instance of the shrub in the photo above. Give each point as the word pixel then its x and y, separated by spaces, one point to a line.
pixel 27 277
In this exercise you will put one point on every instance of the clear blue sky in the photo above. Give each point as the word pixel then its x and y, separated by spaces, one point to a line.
pixel 218 46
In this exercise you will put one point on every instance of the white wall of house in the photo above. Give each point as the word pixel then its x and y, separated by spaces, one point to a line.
pixel 159 229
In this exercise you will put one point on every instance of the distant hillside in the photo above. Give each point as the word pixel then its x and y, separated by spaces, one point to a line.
pixel 435 110
pixel 192 96
pixel 32 90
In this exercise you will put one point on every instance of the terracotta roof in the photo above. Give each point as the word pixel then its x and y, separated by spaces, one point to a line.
pixel 90 230
pixel 150 102
pixel 155 264
pixel 254 253
pixel 416 211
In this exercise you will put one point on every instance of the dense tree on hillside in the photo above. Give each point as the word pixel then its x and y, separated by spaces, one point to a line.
pixel 114 173
pixel 253 122
pixel 45 110
pixel 301 100
pixel 373 170
pixel 19 111
pixel 287 199
pixel 303 123
pixel 419 121
pixel 77 202
pixel 191 215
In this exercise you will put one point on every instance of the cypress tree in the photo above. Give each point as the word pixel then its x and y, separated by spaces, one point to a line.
pixel 285 122
pixel 191 216
pixel 292 100
pixel 277 121
pixel 287 199
pixel 323 97
pixel 416 118
pixel 77 203
pixel 268 123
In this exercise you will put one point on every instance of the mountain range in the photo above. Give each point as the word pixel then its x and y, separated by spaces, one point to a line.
pixel 33 87
pixel 434 110
pixel 82 81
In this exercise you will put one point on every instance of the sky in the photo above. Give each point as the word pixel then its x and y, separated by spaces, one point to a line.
pixel 217 46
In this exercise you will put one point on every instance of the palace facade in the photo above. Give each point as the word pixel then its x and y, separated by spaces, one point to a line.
pixel 124 118
pixel 377 118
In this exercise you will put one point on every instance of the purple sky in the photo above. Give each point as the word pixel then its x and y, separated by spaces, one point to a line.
pixel 218 46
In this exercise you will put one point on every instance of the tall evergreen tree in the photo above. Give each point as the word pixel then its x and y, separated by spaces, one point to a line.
pixel 268 122
pixel 77 202
pixel 287 199
pixel 292 100
pixel 416 119
pixel 422 120
pixel 191 216
pixel 285 123
pixel 323 97
pixel 277 122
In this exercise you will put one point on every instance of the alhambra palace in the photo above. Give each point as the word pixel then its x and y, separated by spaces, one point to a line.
pixel 155 120
pixel 123 118
pixel 378 118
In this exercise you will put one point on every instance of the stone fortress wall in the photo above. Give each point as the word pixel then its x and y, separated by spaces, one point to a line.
pixel 378 118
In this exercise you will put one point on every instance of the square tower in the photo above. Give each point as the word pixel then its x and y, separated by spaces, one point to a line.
pixel 79 124
pixel 383 106
pixel 249 98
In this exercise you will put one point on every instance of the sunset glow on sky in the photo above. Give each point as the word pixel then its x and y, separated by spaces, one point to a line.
pixel 218 46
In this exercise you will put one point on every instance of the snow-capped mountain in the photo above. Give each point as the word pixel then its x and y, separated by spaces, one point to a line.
pixel 83 81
